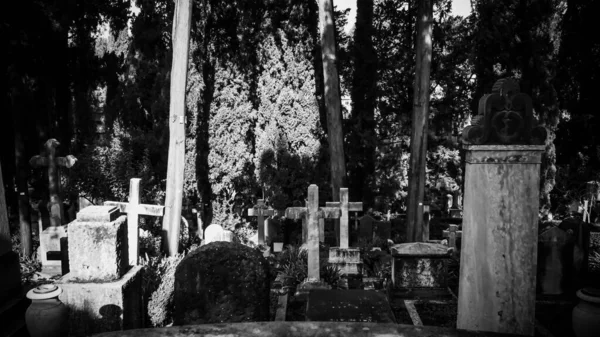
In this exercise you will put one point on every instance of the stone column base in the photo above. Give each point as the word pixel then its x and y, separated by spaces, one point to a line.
pixel 102 307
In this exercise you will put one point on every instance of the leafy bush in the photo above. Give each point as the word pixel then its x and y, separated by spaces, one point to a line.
pixel 158 287
pixel 291 267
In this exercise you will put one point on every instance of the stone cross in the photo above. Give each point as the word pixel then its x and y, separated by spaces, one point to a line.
pixel 134 209
pixel 260 210
pixel 49 160
pixel 312 212
pixel 452 234
pixel 345 207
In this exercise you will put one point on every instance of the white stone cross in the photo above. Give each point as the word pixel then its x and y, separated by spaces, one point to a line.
pixel 134 209
pixel 345 207
pixel 260 210
pixel 313 213
pixel 452 233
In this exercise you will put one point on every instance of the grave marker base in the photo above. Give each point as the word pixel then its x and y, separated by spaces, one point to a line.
pixel 50 247
pixel 102 307
pixel 348 306
pixel 346 259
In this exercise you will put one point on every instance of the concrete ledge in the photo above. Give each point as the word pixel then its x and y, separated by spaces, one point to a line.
pixel 301 329
pixel 100 307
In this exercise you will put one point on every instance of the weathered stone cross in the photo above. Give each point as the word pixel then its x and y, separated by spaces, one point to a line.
pixel 452 233
pixel 313 213
pixel 345 207
pixel 260 211
pixel 134 209
pixel 49 159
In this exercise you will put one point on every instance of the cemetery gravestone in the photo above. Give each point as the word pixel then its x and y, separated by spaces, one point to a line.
pixel 49 249
pixel 101 290
pixel 216 233
pixel 419 265
pixel 312 212
pixel 366 228
pixel 260 211
pixel 221 282
pixel 49 160
pixel 382 230
pixel 452 234
pixel 134 209
pixel 501 203
pixel 346 258
pixel 555 253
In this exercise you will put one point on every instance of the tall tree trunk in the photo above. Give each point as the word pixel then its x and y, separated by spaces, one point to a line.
pixel 418 142
pixel 332 98
pixel 22 168
pixel 182 20
pixel 361 165
pixel 5 243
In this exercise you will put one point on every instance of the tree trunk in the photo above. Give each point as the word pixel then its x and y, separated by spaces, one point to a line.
pixel 22 168
pixel 418 142
pixel 332 102
pixel 361 153
pixel 5 243
pixel 332 97
pixel 182 20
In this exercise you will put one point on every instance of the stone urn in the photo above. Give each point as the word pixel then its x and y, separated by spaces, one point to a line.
pixel 586 315
pixel 47 316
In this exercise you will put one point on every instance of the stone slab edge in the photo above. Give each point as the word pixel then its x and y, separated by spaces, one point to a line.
pixel 302 329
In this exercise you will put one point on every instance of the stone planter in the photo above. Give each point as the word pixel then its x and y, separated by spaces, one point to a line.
pixel 586 315
pixel 47 316
pixel 277 247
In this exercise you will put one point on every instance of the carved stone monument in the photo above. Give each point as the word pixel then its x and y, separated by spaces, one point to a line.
pixel 49 250
pixel 504 149
pixel 102 292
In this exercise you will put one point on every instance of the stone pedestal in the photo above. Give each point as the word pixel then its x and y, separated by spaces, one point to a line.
pixel 103 293
pixel 419 265
pixel 103 306
pixel 346 259
pixel 500 228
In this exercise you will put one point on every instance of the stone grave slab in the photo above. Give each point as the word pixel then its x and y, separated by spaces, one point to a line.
pixel 348 306
pixel 303 329
pixel 419 265
pixel 98 214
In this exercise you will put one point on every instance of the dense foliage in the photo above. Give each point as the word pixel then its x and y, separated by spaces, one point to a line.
pixel 255 122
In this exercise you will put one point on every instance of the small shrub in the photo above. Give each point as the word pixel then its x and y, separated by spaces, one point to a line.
pixel 158 287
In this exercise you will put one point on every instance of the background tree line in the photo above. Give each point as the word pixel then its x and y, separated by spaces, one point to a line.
pixel 256 122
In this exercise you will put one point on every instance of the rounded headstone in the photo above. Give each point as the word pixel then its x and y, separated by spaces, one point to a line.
pixel 222 282
pixel 213 233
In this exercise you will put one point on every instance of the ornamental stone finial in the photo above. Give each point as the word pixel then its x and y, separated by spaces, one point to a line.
pixel 505 117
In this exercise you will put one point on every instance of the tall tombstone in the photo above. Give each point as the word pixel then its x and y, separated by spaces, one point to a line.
pixel 504 149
